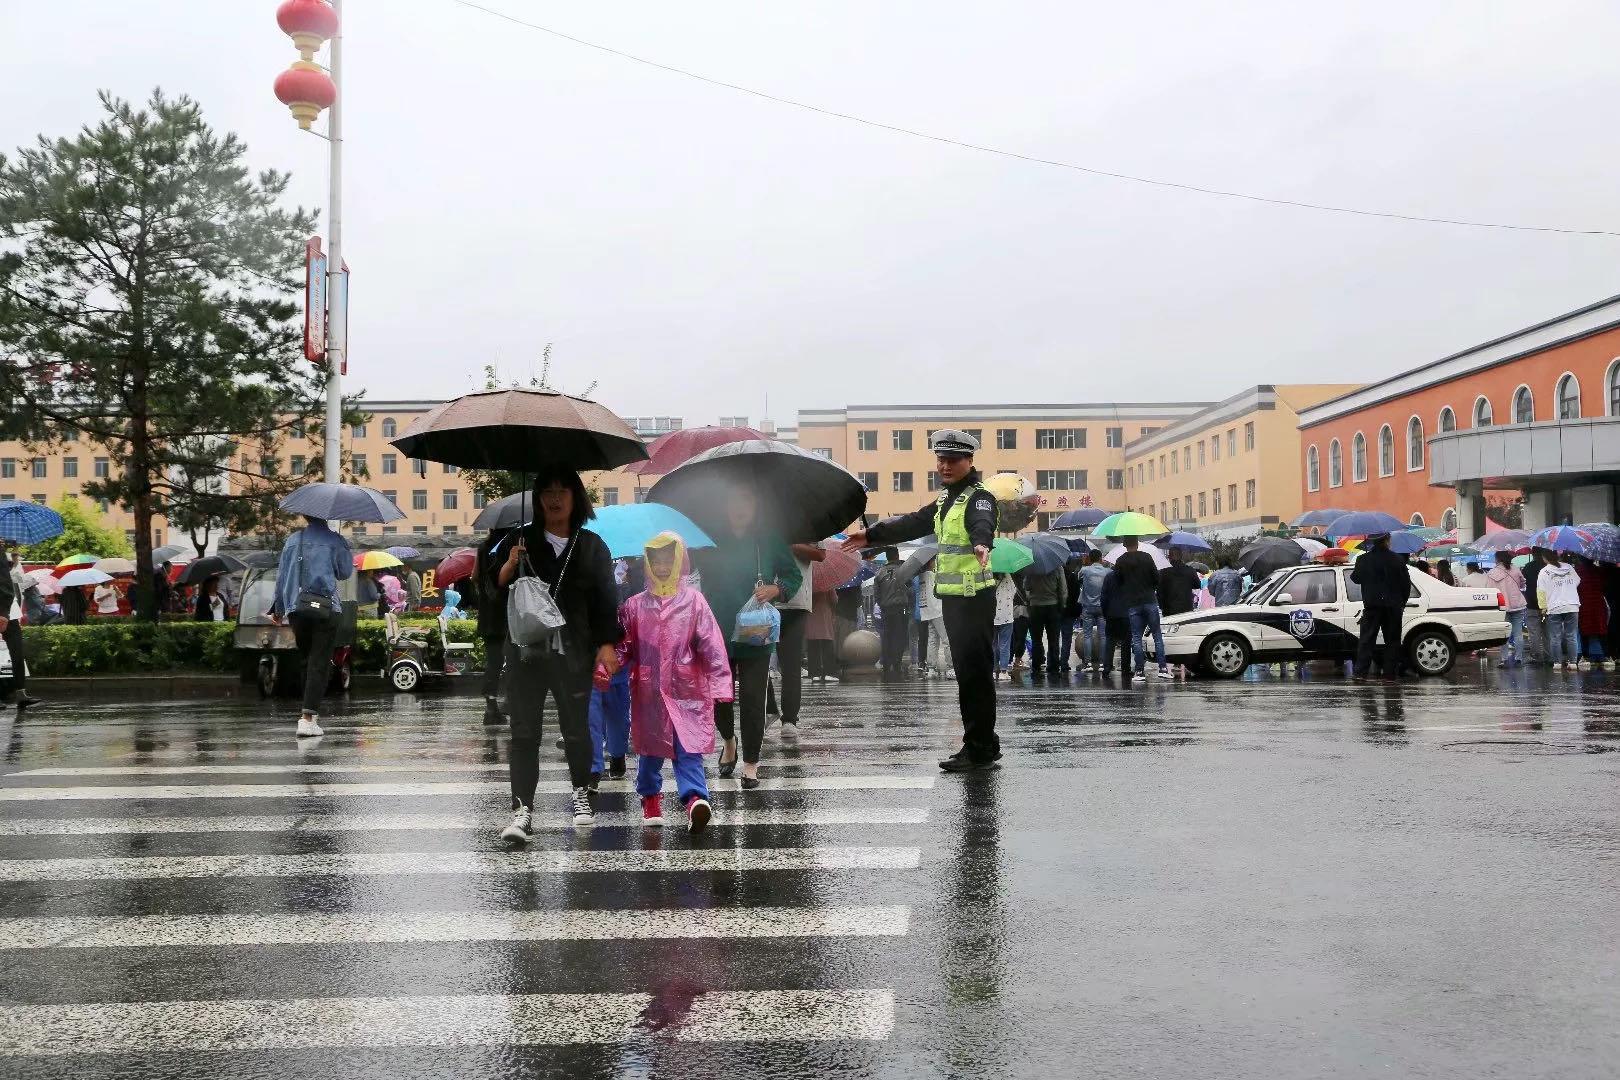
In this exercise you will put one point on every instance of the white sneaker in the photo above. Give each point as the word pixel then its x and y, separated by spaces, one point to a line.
pixel 829 678
pixel 583 814
pixel 1166 673
pixel 1139 677
pixel 518 831
pixel 308 729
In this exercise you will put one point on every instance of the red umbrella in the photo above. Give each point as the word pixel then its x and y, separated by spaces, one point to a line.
pixel 676 448
pixel 456 566
pixel 837 569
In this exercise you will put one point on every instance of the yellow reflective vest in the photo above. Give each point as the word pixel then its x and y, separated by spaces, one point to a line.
pixel 956 570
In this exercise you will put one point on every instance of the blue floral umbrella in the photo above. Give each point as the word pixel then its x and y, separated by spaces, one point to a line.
pixel 28 522
pixel 1562 538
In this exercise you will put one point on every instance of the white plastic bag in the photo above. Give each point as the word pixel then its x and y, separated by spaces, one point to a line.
pixel 758 623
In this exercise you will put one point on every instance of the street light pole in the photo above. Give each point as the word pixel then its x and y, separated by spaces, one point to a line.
pixel 336 325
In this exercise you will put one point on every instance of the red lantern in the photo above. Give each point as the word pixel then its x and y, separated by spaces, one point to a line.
pixel 305 89
pixel 309 23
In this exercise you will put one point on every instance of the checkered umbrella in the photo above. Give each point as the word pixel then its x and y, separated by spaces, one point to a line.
pixel 28 522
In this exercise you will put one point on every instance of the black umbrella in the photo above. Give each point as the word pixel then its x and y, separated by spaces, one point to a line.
pixel 507 512
pixel 522 431
pixel 1269 554
pixel 341 502
pixel 803 496
pixel 200 570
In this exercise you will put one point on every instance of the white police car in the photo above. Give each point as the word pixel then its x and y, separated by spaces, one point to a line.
pixel 1314 612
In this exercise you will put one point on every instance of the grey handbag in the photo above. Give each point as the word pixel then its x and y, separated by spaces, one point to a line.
pixel 533 618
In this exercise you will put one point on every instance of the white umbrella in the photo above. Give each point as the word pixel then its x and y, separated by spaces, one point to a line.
pixel 115 566
pixel 1160 559
pixel 1313 548
pixel 45 581
pixel 84 575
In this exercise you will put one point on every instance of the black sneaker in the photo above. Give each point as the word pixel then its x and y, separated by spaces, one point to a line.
pixel 25 700
pixel 492 712
pixel 596 780
pixel 961 763
pixel 616 768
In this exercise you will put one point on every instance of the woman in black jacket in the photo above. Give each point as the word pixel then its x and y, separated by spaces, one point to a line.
pixel 575 566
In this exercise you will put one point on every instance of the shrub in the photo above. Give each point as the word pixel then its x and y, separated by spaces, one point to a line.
pixel 126 646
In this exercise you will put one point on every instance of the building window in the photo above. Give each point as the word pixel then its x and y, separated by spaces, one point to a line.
pixel 1231 442
pixel 357 465
pixel 1201 504
pixel 1186 458
pixel 1358 458
pixel 1448 419
pixel 390 464
pixel 1006 438
pixel 480 500
pixel 1482 412
pixel 822 452
pixel 1164 510
pixel 392 496
pixel 1200 453
pixel 1524 406
pixel 390 429
pixel 902 480
pixel 610 497
pixel 70 467
pixel 450 530
pixel 1175 509
pixel 933 481
pixel 1175 462
pixel 298 429
pixel 868 480
pixel 419 530
pixel 451 470
pixel 419 467
pixel 1150 470
pixel 1448 520
pixel 1215 497
pixel 1569 398
pixel 419 499
pixel 1060 479
pixel 36 468
pixel 1335 465
pixel 295 464
pixel 1146 431
pixel 1313 472
pixel 640 494
pixel 1114 437
pixel 1060 438
pixel 902 438
pixel 1414 444
pixel 1248 435
pixel 267 466
pixel 1116 479
pixel 1164 470
pixel 40 498
pixel 106 505
pixel 1416 521
pixel 1248 494
pixel 866 440
pixel 451 499
pixel 1386 451
pixel 390 530
pixel 1215 448
pixel 1613 380
pixel 358 431
pixel 8 467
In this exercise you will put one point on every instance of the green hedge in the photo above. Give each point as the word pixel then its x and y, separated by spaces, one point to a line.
pixel 124 646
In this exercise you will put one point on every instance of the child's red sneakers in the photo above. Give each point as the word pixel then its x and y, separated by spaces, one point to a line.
pixel 652 810
pixel 697 814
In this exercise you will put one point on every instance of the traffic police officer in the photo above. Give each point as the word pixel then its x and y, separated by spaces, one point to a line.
pixel 963 519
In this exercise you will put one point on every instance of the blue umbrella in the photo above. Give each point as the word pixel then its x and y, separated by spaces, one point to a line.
pixel 627 528
pixel 1315 519
pixel 403 552
pixel 1081 519
pixel 1406 543
pixel 1188 540
pixel 1562 538
pixel 1605 545
pixel 341 502
pixel 1079 545
pixel 1050 552
pixel 1364 523
pixel 28 522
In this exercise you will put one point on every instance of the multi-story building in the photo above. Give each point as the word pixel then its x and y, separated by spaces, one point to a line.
pixel 1534 414
pixel 1071 453
pixel 1232 469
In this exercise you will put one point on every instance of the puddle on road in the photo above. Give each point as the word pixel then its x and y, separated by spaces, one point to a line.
pixel 1518 747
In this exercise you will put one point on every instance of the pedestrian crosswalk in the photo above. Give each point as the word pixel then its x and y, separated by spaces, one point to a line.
pixel 340 900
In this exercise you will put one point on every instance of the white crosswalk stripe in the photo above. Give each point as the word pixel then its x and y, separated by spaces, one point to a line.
pixel 406 789
pixel 303 769
pixel 442 1021
pixel 452 822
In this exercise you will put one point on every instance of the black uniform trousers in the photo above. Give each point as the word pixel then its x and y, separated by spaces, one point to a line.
pixel 316 638
pixel 1376 619
pixel 970 628
pixel 896 636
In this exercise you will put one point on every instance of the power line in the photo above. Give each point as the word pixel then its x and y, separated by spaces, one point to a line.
pixel 1015 155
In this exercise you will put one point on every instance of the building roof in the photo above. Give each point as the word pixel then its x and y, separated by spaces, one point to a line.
pixel 1253 399
pixel 946 414
pixel 1562 329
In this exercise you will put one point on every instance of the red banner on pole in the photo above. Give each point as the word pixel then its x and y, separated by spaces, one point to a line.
pixel 314 301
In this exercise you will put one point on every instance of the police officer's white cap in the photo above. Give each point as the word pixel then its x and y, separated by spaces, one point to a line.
pixel 951 441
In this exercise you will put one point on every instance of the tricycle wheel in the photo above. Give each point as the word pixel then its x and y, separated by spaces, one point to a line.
pixel 404 676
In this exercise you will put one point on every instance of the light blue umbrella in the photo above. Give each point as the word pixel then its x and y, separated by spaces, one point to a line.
pixel 1364 523
pixel 1406 543
pixel 341 502
pixel 627 528
pixel 28 522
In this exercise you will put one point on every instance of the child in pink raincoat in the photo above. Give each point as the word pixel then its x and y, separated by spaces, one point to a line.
pixel 676 654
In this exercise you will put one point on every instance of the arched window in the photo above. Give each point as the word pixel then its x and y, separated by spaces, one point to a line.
pixel 1335 464
pixel 390 429
pixel 1524 406
pixel 1416 522
pixel 1482 412
pixel 1569 398
pixel 1358 458
pixel 1448 520
pixel 1414 444
pixel 1612 380
pixel 1448 419
pixel 1313 469
pixel 1386 451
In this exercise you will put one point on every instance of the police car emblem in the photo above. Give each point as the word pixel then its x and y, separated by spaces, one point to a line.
pixel 1301 623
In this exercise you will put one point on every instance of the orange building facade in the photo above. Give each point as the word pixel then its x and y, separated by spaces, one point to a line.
pixel 1533 414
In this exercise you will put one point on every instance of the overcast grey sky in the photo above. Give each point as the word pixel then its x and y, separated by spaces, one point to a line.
pixel 695 249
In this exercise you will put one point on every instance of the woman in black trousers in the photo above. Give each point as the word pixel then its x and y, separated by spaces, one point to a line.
pixel 575 566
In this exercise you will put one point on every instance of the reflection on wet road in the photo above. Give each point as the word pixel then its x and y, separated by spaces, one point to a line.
pixel 1281 877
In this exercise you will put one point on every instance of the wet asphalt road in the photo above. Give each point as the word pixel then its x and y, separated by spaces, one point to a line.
pixel 1274 878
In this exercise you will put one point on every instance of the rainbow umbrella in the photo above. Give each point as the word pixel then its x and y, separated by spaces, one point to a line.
pixel 1130 523
pixel 375 560
pixel 74 562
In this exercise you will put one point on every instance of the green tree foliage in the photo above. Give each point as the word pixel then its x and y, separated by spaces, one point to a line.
pixel 82 532
pixel 149 288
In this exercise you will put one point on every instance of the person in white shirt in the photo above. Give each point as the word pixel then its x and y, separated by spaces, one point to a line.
pixel 1004 620
pixel 106 598
pixel 1558 594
